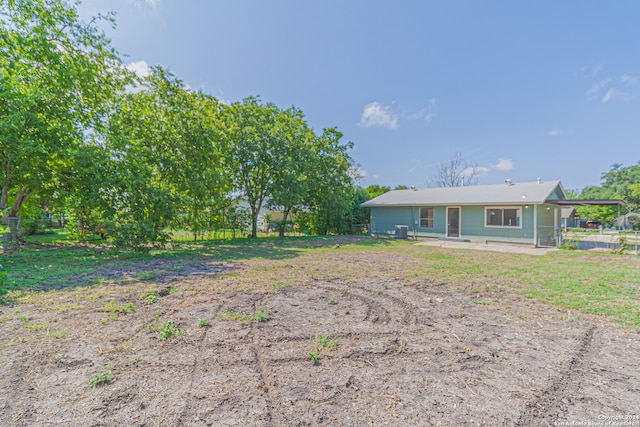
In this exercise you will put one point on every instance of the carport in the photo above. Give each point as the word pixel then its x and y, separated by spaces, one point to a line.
pixel 590 202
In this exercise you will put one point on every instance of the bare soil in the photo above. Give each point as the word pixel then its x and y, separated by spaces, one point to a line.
pixel 410 351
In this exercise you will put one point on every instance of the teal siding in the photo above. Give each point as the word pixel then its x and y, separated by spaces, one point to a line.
pixel 473 226
pixel 385 219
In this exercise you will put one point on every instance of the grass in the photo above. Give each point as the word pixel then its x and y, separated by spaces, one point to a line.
pixel 600 283
pixel 256 316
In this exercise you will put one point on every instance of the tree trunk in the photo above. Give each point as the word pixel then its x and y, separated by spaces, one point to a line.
pixel 5 187
pixel 21 197
pixel 283 224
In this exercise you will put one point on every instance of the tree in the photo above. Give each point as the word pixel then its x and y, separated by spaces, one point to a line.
pixel 331 189
pixel 57 78
pixel 167 157
pixel 291 179
pixel 456 172
pixel 618 183
pixel 256 153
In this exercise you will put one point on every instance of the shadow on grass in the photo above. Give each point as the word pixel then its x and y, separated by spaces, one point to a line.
pixel 48 267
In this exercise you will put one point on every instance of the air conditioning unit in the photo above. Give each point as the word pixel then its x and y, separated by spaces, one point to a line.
pixel 402 231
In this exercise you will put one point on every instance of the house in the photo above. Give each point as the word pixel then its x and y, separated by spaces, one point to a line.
pixel 511 212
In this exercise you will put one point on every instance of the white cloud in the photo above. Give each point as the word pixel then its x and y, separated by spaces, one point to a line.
pixel 617 95
pixel 151 3
pixel 141 68
pixel 626 78
pixel 375 114
pixel 595 88
pixel 427 114
pixel 555 132
pixel 504 165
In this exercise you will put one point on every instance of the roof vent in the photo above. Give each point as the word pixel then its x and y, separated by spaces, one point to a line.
pixel 539 181
pixel 413 187
pixel 508 182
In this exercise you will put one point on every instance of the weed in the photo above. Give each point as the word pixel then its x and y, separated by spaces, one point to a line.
pixel 113 309
pixel 101 378
pixel 324 343
pixel 479 302
pixel 203 323
pixel 332 301
pixel 570 245
pixel 136 360
pixel 151 298
pixel 322 347
pixel 256 316
pixel 32 326
pixel 95 296
pixel 57 335
pixel 168 329
pixel 314 357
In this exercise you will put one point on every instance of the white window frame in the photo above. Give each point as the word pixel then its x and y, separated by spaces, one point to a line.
pixel 519 216
pixel 420 218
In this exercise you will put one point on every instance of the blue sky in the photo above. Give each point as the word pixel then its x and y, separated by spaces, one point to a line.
pixel 524 90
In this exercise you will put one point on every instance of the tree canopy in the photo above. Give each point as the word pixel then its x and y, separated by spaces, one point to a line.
pixel 140 157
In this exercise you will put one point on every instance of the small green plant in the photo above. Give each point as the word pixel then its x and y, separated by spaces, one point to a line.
pixel 256 316
pixel 324 343
pixel 322 347
pixel 113 309
pixel 332 301
pixel 168 329
pixel 480 302
pixel 32 326
pixel 570 245
pixel 203 323
pixel 151 298
pixel 314 357
pixel 101 378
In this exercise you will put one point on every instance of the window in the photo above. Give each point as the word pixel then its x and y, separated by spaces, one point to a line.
pixel 426 217
pixel 502 217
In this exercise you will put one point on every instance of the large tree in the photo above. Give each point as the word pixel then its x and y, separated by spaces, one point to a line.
pixel 456 172
pixel 167 160
pixel 57 77
pixel 255 135
pixel 331 193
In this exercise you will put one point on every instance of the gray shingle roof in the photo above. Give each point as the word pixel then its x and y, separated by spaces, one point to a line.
pixel 499 194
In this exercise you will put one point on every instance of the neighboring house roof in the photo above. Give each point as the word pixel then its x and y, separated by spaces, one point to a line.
pixel 567 211
pixel 499 194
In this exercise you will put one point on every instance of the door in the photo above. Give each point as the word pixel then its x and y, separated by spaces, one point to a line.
pixel 453 222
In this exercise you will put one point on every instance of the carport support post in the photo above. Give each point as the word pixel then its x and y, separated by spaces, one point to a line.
pixel 535 225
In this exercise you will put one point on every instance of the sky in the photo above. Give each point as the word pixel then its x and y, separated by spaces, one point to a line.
pixel 522 90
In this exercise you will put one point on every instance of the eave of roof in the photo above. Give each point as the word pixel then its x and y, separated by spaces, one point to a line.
pixel 500 194
pixel 590 202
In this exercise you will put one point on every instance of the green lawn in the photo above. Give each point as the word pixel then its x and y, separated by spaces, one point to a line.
pixel 599 283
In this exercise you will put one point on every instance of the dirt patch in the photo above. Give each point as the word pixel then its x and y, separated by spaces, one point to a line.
pixel 409 352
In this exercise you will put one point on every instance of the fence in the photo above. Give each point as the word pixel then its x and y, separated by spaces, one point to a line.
pixel 549 236
pixel 615 241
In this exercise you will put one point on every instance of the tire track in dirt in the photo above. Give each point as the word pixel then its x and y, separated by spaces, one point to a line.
pixel 549 407
pixel 189 410
pixel 258 362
